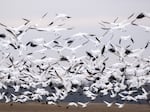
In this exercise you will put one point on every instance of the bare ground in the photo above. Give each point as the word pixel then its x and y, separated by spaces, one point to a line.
pixel 94 107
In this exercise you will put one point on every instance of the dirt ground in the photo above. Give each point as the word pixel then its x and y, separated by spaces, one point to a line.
pixel 94 107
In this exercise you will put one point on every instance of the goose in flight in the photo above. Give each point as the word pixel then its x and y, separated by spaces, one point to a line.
pixel 2 35
pixel 61 16
pixel 127 97
pixel 126 38
pixel 144 95
pixel 54 29
pixel 120 105
pixel 143 15
pixel 116 25
pixel 15 31
pixel 83 104
pixel 146 28
pixel 72 104
pixel 84 35
pixel 39 21
pixel 2 95
pixel 51 103
pixel 108 104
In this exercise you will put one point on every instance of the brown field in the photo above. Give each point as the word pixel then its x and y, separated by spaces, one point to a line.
pixel 94 107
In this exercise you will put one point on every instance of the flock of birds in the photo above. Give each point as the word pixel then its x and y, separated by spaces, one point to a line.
pixel 28 73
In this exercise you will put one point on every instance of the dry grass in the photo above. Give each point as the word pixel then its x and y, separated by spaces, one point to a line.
pixel 94 107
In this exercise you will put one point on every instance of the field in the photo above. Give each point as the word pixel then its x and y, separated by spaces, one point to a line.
pixel 94 107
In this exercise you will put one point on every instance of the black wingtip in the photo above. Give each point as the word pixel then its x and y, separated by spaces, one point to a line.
pixel 51 23
pixel 3 25
pixel 140 16
pixel 27 21
pixel 133 22
pixel 68 17
pixel 131 15
pixel 44 14
pixel 2 35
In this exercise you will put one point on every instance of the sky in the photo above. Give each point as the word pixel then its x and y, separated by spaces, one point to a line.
pixel 84 12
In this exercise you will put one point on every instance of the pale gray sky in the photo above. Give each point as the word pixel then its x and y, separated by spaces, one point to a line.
pixel 87 11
